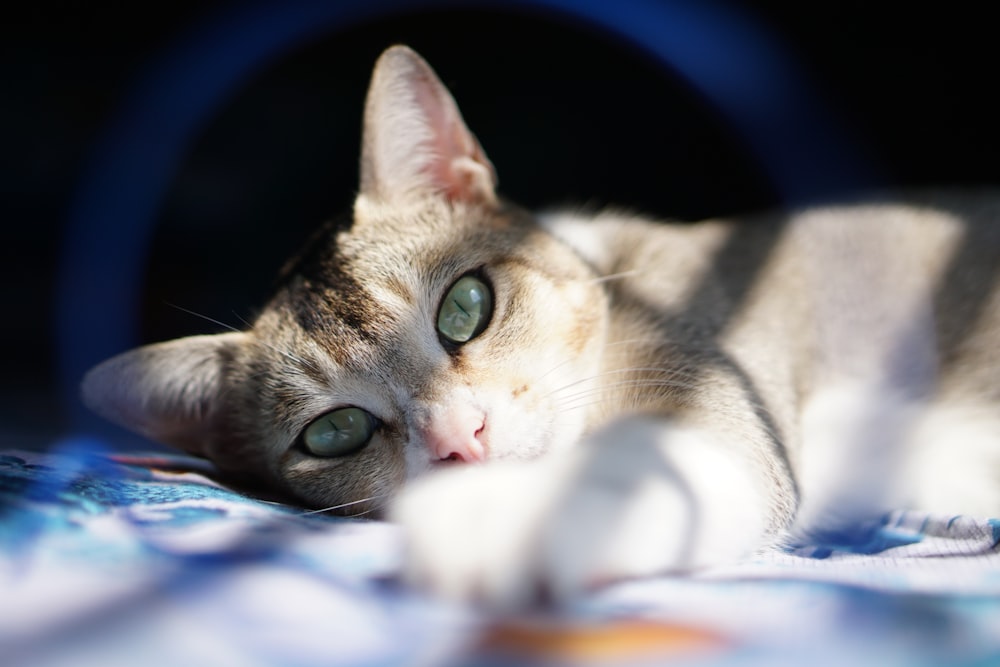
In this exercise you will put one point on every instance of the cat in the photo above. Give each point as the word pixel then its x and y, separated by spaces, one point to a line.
pixel 548 402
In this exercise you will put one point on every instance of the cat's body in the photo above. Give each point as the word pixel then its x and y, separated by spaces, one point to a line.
pixel 646 397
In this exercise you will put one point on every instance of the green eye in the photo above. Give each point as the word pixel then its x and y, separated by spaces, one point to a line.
pixel 466 310
pixel 339 432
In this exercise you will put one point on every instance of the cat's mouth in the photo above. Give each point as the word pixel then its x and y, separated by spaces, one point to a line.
pixel 450 462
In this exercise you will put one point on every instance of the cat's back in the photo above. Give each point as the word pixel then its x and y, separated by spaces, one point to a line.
pixel 921 226
pixel 836 289
pixel 910 286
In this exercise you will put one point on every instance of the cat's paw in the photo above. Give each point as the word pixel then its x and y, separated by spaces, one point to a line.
pixel 637 499
pixel 472 532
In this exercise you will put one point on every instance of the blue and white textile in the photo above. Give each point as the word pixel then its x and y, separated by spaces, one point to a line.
pixel 147 562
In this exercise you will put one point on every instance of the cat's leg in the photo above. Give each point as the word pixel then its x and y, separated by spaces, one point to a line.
pixel 867 451
pixel 954 466
pixel 644 495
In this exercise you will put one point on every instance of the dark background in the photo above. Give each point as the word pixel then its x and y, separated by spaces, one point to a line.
pixel 567 112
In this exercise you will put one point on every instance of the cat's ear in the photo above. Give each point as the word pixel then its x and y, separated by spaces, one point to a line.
pixel 415 142
pixel 169 392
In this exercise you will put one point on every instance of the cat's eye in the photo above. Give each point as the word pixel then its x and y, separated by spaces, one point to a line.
pixel 465 310
pixel 339 432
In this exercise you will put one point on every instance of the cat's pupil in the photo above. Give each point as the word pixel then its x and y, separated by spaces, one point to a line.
pixel 466 310
pixel 339 432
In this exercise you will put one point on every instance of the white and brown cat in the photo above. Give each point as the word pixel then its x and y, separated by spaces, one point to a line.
pixel 549 402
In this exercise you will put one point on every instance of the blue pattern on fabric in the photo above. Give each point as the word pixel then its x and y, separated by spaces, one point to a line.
pixel 867 538
pixel 995 526
pixel 127 550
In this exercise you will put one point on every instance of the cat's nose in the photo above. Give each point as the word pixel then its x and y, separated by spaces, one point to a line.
pixel 458 435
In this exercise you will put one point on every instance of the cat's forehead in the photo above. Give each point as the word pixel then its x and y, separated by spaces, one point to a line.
pixel 407 248
pixel 368 283
pixel 345 256
pixel 427 233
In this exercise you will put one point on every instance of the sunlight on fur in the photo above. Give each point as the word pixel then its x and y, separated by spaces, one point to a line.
pixel 548 403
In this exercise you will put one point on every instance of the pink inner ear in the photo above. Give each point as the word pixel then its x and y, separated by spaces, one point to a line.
pixel 415 142
pixel 457 166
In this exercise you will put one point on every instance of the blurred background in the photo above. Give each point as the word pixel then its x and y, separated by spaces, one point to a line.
pixel 164 158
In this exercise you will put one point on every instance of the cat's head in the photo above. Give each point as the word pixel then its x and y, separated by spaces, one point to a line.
pixel 439 327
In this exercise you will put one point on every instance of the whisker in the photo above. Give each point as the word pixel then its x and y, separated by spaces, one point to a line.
pixel 300 361
pixel 570 360
pixel 669 373
pixel 367 511
pixel 305 363
pixel 607 346
pixel 228 327
pixel 242 319
pixel 349 504
pixel 638 384
pixel 554 369
pixel 567 408
pixel 615 276
pixel 633 341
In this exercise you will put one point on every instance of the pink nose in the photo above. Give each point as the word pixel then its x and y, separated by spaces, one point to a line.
pixel 457 434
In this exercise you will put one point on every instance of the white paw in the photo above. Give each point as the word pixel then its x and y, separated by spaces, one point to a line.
pixel 472 532
pixel 637 499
